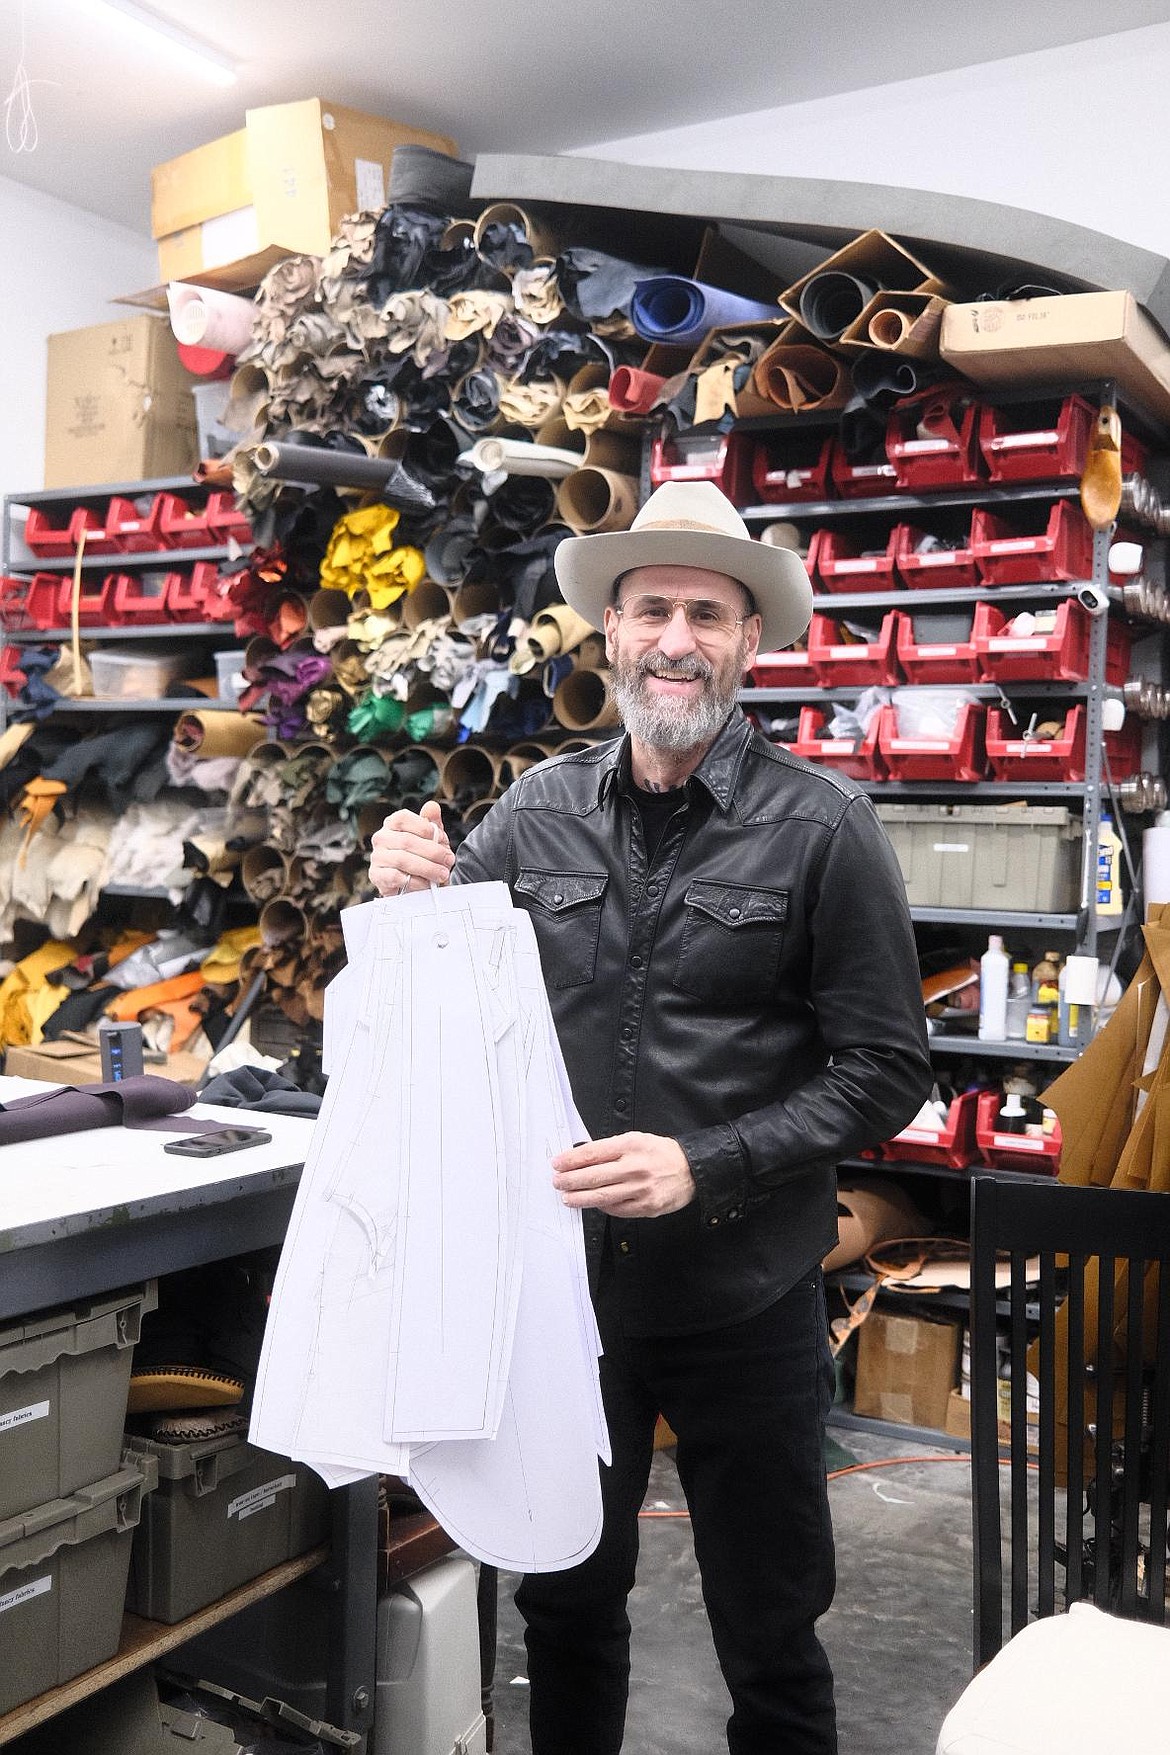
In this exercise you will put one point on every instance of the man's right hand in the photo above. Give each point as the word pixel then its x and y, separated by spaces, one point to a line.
pixel 411 851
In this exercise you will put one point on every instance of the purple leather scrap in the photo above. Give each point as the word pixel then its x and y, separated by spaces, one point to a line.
pixel 141 1103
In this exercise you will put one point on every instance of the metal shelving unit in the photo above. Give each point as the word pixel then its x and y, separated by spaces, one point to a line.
pixel 145 631
pixel 801 511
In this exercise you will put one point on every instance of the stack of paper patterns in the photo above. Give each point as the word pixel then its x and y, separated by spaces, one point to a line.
pixel 431 1315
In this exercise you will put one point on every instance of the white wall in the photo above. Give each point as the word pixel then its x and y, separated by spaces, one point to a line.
pixel 61 267
pixel 1081 132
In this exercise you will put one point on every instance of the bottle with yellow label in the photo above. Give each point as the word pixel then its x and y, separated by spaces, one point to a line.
pixel 1109 897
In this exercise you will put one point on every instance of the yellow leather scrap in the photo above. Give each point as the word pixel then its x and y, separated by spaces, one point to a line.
pixel 26 999
pixel 362 557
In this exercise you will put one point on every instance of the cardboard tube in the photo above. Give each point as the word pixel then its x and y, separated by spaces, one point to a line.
pixel 522 457
pixel 480 598
pixel 282 923
pixel 426 602
pixel 329 609
pixel 212 734
pixel 583 702
pixel 522 756
pixel 797 376
pixel 475 813
pixel 593 500
pixel 263 872
pixel 887 328
pixel 470 772
pixel 572 745
pixel 249 395
pixel 204 317
pixel 541 240
pixel 557 629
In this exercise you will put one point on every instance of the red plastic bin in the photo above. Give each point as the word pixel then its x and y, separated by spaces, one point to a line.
pixel 49 541
pixel 953 1146
pixel 1046 441
pixel 1061 656
pixel 936 568
pixel 137 598
pixel 791 467
pixel 1007 555
pixel 1013 757
pixel 93 602
pixel 933 441
pixel 935 661
pixel 861 761
pixel 776 670
pixel 860 481
pixel 40 601
pixel 960 757
pixel 189 593
pixel 131 531
pixel 867 664
pixel 225 522
pixel 724 458
pixel 838 561
pixel 1013 1151
pixel 181 525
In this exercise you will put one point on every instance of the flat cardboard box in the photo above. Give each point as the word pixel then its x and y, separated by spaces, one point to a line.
pixel 958 1422
pixel 75 1061
pixel 278 186
pixel 1073 338
pixel 119 405
pixel 906 1368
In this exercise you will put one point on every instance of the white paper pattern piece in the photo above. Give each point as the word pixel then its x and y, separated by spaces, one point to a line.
pixel 431 1315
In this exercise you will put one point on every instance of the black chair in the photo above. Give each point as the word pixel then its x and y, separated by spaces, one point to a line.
pixel 1102 1441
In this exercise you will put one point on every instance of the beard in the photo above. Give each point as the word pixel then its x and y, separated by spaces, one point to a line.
pixel 671 722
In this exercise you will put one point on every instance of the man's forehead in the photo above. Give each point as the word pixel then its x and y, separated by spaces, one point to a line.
pixel 694 581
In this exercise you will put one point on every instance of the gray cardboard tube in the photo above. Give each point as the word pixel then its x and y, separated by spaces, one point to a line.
pixel 321 468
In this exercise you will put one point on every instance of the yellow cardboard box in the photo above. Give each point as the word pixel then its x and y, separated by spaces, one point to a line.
pixel 226 211
pixel 119 405
pixel 1059 340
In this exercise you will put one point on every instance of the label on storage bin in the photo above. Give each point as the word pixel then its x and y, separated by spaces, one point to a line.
pixel 951 847
pixel 920 447
pixel 1018 642
pixel 260 1498
pixel 942 557
pixel 23 1416
pixel 863 564
pixel 24 1593
pixel 1017 1142
pixel 1022 441
pixel 1017 545
pixel 938 651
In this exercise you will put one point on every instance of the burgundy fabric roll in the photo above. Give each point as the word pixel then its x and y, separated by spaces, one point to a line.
pixel 143 1102
pixel 632 391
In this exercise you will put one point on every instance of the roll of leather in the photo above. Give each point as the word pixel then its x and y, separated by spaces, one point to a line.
pixel 509 237
pixel 557 629
pixel 203 317
pixel 583 702
pixel 143 1102
pixel 830 302
pixel 522 457
pixel 213 733
pixel 883 378
pixel 670 308
pixel 321 468
pixel 592 500
pixel 798 375
pixel 633 391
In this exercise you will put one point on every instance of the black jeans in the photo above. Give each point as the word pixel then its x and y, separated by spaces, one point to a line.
pixel 748 1405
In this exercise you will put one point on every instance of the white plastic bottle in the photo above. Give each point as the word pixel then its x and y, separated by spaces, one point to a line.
pixel 1019 1003
pixel 994 966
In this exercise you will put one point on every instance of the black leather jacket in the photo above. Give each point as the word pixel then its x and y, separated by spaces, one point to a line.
pixel 755 995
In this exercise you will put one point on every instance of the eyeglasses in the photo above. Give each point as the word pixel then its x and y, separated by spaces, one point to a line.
pixel 705 618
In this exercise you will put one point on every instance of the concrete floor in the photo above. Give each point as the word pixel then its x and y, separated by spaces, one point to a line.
pixel 899 1632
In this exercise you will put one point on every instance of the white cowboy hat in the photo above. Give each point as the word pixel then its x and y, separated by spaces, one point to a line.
pixel 689 524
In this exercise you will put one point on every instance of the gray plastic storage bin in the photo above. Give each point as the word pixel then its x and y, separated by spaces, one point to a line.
pixel 63 1582
pixel 64 1380
pixel 428 1688
pixel 224 1512
pixel 1005 856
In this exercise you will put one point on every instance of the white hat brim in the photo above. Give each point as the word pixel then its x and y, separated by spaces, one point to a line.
pixel 586 567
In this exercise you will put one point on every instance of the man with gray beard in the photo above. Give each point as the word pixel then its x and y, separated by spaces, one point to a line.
pixel 725 939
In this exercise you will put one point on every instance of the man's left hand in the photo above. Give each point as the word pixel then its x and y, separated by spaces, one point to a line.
pixel 631 1175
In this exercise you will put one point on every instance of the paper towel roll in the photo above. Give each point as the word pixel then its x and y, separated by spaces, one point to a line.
pixel 1156 863
pixel 203 317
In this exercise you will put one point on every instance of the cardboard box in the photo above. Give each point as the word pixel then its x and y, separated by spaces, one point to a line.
pixel 119 405
pixel 1062 340
pixel 958 1421
pixel 906 1368
pixel 73 1061
pixel 227 211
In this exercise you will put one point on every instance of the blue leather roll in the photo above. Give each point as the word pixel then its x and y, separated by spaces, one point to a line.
pixel 671 308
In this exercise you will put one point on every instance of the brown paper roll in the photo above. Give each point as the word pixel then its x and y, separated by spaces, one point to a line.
pixel 425 603
pixel 583 702
pixel 212 734
pixel 593 500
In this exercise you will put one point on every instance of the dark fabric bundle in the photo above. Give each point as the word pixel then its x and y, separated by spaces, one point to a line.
pixel 144 1102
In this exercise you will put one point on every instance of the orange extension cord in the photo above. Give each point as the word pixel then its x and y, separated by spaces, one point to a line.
pixel 885 1462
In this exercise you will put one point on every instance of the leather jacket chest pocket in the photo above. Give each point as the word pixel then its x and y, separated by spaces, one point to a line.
pixel 565 909
pixel 731 944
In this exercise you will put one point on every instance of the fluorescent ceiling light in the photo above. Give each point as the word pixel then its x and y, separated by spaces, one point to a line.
pixel 198 56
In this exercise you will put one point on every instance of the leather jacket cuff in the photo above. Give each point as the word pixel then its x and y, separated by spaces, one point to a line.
pixel 719 1166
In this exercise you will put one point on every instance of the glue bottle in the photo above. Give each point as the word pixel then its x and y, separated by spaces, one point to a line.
pixel 1109 899
pixel 993 991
